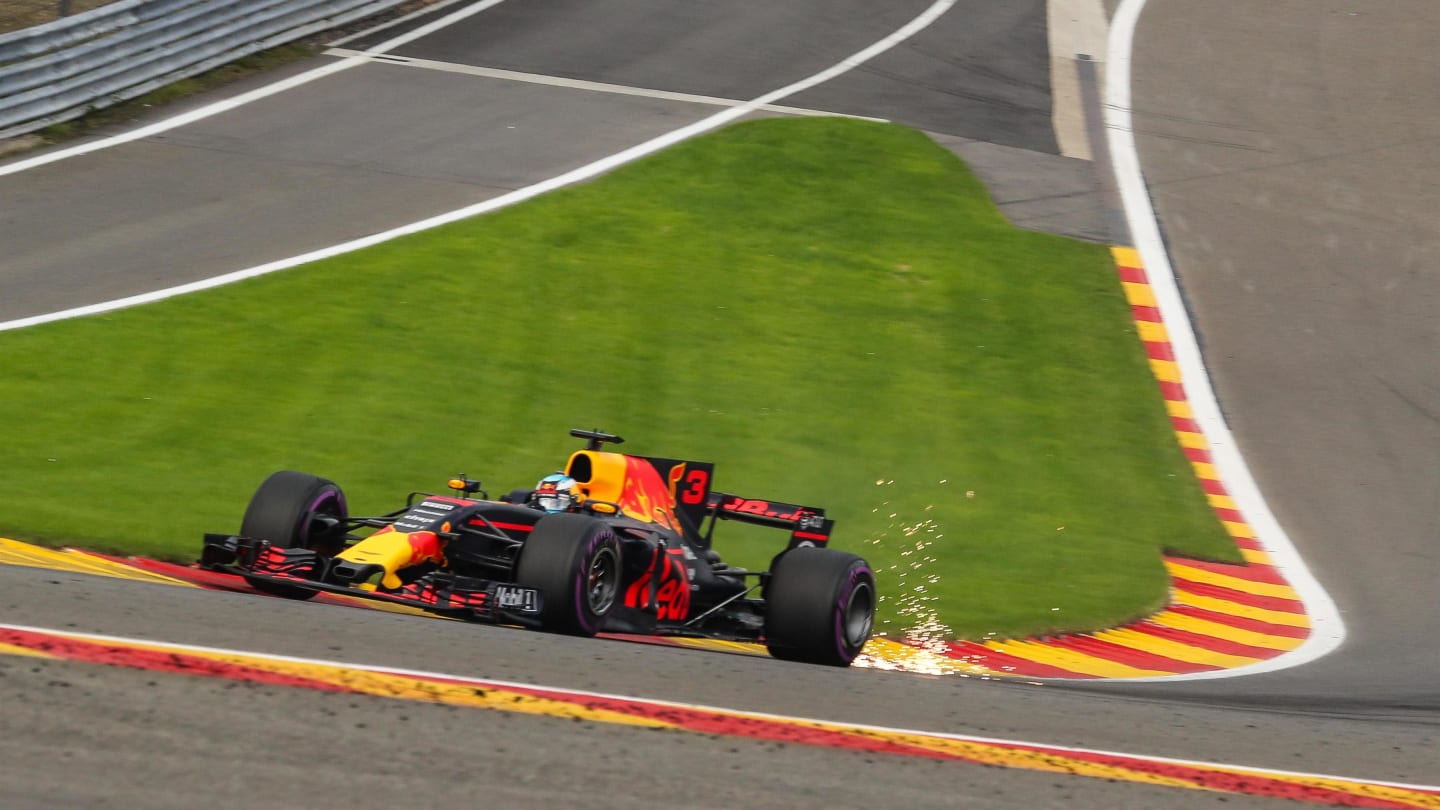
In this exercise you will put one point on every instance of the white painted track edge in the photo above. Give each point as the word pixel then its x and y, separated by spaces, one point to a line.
pixel 1327 628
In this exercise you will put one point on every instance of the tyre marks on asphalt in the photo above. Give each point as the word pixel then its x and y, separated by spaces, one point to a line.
pixel 474 693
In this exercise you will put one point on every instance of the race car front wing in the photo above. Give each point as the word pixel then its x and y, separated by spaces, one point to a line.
pixel 262 563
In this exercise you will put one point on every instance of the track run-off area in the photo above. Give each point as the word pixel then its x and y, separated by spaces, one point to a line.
pixel 450 690
pixel 1218 623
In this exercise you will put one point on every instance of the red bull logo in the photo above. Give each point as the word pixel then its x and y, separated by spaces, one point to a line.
pixel 669 581
pixel 424 547
pixel 647 496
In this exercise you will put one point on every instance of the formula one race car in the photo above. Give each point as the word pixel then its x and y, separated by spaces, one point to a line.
pixel 627 549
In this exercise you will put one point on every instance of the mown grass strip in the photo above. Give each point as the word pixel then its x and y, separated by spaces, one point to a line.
pixel 831 310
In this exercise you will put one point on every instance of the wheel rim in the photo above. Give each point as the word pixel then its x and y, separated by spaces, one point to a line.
pixel 858 615
pixel 602 581
pixel 328 505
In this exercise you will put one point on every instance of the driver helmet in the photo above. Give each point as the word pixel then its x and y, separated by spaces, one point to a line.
pixel 557 492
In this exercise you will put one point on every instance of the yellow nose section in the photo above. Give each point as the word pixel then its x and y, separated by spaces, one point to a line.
pixel 394 551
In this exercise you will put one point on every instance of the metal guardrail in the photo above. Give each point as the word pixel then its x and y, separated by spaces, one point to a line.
pixel 17 14
pixel 61 70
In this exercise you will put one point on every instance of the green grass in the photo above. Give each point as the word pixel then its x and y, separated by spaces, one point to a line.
pixel 832 311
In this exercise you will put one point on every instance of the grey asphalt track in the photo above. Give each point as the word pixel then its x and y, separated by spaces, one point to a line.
pixel 357 153
pixel 381 145
pixel 218 738
pixel 1298 187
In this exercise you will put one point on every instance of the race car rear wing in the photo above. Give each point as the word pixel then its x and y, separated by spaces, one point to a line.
pixel 807 524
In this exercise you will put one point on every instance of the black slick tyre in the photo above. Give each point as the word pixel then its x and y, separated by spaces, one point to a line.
pixel 819 606
pixel 574 561
pixel 296 510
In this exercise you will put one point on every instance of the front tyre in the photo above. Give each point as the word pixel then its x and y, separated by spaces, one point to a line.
pixel 574 561
pixel 819 606
pixel 296 510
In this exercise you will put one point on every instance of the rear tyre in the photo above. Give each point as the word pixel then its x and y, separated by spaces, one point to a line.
pixel 819 606
pixel 296 510
pixel 574 560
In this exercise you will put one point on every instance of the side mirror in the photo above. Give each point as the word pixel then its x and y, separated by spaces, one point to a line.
pixel 467 486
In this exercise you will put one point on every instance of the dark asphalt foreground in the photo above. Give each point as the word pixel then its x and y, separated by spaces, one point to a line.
pixel 102 738
pixel 1299 206
pixel 165 739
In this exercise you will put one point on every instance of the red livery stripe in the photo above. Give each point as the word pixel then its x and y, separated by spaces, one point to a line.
pixel 512 527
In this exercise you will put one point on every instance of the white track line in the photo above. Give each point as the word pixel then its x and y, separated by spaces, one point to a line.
pixel 587 172
pixel 579 84
pixel 245 98
pixel 1327 629
pixel 182 649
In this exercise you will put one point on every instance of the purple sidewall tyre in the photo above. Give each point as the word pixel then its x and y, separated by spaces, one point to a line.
pixel 819 606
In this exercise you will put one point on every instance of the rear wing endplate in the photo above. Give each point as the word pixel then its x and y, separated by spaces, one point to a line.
pixel 807 524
